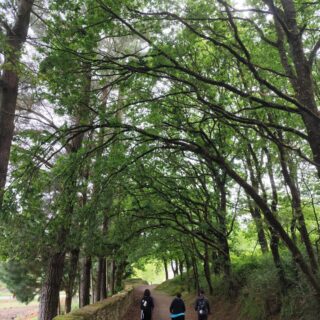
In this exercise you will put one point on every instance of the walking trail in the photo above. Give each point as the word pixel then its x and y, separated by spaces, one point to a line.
pixel 162 303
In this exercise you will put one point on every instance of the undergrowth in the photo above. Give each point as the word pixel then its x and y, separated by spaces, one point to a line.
pixel 256 287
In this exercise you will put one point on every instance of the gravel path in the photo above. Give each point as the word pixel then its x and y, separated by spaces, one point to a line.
pixel 162 302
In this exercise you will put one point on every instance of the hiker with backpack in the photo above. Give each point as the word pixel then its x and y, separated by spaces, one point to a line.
pixel 146 305
pixel 202 306
pixel 177 308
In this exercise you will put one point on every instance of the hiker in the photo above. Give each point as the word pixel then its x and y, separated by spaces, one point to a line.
pixel 146 305
pixel 202 306
pixel 177 308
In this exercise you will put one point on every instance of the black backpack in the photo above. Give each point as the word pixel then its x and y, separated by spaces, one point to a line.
pixel 202 307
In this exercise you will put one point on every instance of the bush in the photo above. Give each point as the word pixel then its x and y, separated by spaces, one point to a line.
pixel 173 286
pixel 261 295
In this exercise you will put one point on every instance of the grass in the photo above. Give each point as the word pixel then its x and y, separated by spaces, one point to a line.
pixel 12 303
pixel 172 286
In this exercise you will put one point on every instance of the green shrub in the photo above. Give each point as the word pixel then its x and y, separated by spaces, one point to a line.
pixel 173 286
pixel 260 297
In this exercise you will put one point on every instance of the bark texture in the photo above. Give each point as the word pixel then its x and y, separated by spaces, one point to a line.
pixel 49 300
pixel 85 282
pixel 9 83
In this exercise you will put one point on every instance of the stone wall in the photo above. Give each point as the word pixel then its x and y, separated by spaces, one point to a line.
pixel 112 308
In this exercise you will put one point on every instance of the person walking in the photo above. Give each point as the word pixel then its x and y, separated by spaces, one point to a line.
pixel 177 308
pixel 202 306
pixel 146 305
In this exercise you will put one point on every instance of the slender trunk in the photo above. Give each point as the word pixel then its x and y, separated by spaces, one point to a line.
pixel 195 274
pixel 223 240
pixel 79 289
pixel 181 268
pixel 301 76
pixel 216 269
pixel 93 287
pixel 113 277
pixel 49 299
pixel 297 208
pixel 225 258
pixel 104 279
pixel 165 264
pixel 99 279
pixel 257 218
pixel 254 210
pixel 71 279
pixel 206 268
pixel 274 245
pixel 174 267
pixel 85 282
pixel 121 267
pixel 68 301
pixel 188 267
pixel 9 86
pixel 271 218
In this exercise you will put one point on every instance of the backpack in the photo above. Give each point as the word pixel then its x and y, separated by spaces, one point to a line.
pixel 202 307
pixel 144 304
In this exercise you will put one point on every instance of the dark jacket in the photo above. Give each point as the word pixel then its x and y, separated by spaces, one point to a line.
pixel 146 304
pixel 177 306
pixel 202 300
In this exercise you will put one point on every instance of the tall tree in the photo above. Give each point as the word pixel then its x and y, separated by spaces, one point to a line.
pixel 15 37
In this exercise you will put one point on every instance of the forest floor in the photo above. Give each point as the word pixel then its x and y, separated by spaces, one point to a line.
pixel 162 302
pixel 11 309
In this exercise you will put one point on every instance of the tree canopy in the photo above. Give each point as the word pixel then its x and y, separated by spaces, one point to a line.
pixel 186 132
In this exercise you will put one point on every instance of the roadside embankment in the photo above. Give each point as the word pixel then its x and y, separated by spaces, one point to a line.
pixel 114 307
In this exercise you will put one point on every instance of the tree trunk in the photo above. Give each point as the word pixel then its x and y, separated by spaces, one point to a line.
pixel 188 268
pixel 257 218
pixel 104 279
pixel 206 268
pixel 121 267
pixel 272 220
pixel 49 299
pixel 174 267
pixel 93 288
pixel 9 86
pixel 181 268
pixel 195 274
pixel 274 245
pixel 71 279
pixel 85 282
pixel 113 277
pixel 99 279
pixel 297 208
pixel 301 77
pixel 224 253
pixel 103 262
pixel 165 265
pixel 254 210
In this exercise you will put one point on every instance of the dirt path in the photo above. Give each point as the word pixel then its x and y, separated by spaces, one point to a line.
pixel 162 302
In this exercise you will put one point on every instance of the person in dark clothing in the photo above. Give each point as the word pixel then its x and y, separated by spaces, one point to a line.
pixel 146 305
pixel 177 308
pixel 202 306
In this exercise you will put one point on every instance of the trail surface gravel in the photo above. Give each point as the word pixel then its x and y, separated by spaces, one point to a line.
pixel 162 303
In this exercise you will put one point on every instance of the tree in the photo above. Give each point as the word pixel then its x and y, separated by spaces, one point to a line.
pixel 15 37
